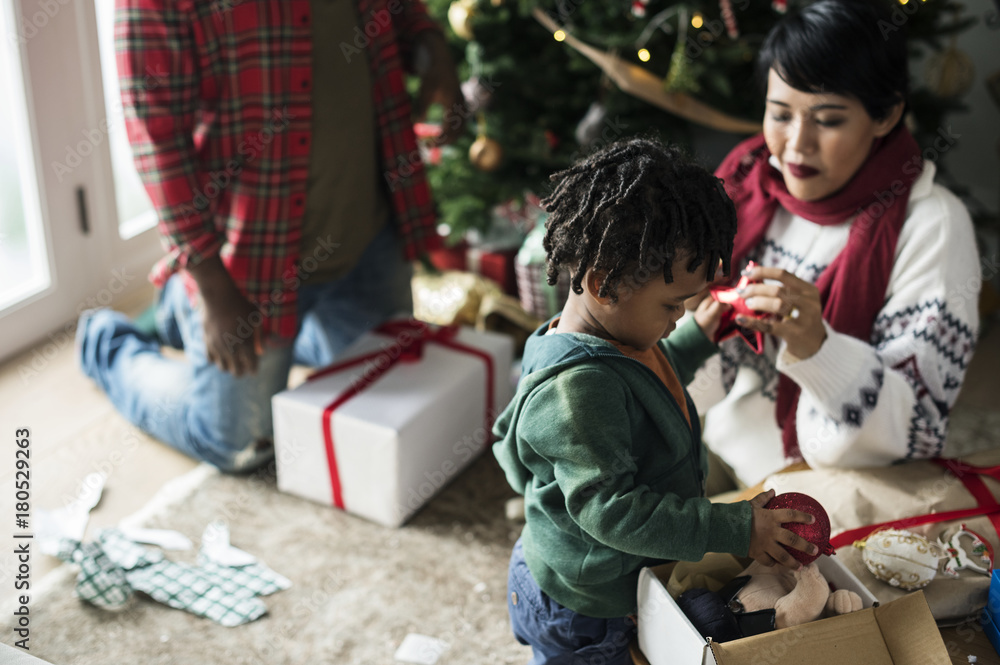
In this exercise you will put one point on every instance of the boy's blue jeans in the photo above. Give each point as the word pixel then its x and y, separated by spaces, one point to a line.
pixel 557 634
pixel 210 414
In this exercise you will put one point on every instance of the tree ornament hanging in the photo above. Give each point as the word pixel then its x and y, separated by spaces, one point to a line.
pixel 639 8
pixel 485 153
pixel 590 126
pixel 950 72
pixel 460 14
pixel 726 8
pixel 780 6
pixel 478 96
pixel 680 78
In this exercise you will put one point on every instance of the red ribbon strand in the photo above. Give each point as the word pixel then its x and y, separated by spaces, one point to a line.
pixel 970 476
pixel 411 337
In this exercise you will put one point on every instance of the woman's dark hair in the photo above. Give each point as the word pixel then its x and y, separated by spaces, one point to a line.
pixel 635 206
pixel 845 47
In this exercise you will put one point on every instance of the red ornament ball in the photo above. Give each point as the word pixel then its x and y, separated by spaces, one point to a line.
pixel 817 533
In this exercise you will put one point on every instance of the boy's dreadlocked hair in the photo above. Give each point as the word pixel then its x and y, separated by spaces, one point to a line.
pixel 635 205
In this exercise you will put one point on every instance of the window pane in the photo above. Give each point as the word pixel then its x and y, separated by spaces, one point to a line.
pixel 135 211
pixel 24 268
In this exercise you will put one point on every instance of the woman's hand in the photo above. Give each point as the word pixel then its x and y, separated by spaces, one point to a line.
pixel 796 306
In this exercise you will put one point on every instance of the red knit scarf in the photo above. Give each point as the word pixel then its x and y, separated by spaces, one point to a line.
pixel 853 287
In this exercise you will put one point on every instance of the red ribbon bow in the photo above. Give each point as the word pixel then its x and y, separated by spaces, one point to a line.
pixel 411 337
pixel 738 307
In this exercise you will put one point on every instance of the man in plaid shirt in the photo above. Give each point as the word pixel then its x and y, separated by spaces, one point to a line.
pixel 275 140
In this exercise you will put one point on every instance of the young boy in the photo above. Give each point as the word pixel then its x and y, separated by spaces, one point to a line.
pixel 602 439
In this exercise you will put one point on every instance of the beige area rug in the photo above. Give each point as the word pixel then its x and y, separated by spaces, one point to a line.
pixel 357 588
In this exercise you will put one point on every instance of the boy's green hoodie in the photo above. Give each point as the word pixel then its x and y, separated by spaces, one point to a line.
pixel 612 475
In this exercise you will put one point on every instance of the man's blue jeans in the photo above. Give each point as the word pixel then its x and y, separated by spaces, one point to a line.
pixel 212 415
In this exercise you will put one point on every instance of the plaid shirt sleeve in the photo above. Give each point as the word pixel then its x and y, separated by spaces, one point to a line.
pixel 160 84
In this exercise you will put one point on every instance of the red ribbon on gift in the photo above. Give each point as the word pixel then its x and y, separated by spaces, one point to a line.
pixel 411 337
pixel 969 475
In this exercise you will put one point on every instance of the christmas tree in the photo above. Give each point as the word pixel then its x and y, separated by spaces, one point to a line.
pixel 537 103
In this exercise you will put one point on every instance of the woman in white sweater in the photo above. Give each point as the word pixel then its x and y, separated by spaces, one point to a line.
pixel 870 269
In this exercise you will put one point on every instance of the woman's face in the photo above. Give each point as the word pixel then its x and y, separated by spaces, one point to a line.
pixel 820 140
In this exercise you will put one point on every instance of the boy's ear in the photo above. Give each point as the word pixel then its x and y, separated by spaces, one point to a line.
pixel 592 283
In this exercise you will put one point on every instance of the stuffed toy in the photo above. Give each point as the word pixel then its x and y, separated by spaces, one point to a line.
pixel 763 598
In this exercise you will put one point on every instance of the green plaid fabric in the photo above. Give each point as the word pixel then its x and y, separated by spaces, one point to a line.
pixel 187 588
pixel 113 568
pixel 100 582
pixel 127 554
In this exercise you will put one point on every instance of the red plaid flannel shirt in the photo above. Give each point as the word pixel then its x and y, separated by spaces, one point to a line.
pixel 218 111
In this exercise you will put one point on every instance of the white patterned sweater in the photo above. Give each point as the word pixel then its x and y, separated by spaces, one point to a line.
pixel 862 404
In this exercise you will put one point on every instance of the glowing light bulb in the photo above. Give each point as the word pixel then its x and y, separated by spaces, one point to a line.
pixel 559 35
pixel 644 55
pixel 697 21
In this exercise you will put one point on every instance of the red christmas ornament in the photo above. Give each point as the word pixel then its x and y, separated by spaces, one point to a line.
pixel 817 533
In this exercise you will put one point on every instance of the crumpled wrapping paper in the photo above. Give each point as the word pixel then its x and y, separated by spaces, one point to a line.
pixel 456 297
pixel 859 497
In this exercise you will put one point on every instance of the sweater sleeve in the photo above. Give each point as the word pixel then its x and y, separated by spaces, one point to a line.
pixel 688 348
pixel 595 469
pixel 871 404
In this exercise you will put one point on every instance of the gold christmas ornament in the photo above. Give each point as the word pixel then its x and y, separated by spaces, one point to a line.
pixel 485 154
pixel 460 14
pixel 950 73
pixel 901 558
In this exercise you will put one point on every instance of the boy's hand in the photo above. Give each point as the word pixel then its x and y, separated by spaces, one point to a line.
pixel 708 315
pixel 767 536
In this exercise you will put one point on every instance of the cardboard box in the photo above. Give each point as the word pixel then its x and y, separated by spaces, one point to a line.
pixel 402 437
pixel 902 632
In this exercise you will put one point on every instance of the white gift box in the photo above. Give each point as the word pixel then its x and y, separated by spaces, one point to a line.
pixel 401 437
